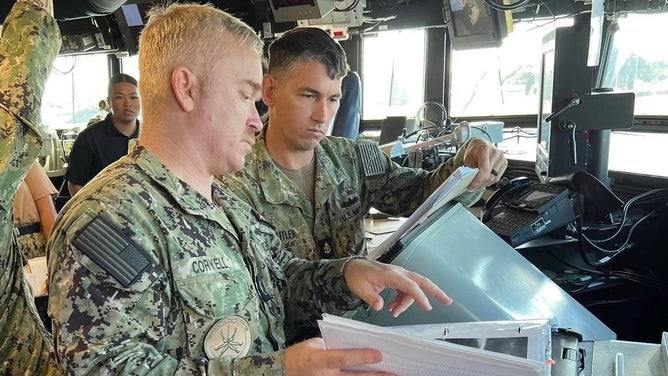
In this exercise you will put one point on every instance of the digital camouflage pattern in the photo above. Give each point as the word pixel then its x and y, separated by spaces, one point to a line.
pixel 199 285
pixel 32 245
pixel 29 44
pixel 344 193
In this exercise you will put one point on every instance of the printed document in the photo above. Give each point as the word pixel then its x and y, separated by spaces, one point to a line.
pixel 409 355
pixel 452 187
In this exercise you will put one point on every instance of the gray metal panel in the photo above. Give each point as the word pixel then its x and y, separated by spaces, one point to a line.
pixel 488 280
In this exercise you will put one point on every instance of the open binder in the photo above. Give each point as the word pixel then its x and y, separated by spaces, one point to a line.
pixel 423 351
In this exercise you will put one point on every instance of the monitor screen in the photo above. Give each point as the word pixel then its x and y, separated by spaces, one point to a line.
pixel 473 24
pixel 296 10
pixel 131 19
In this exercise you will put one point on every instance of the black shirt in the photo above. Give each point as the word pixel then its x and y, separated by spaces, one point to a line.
pixel 95 148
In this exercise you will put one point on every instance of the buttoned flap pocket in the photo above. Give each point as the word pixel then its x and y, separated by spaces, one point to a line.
pixel 215 294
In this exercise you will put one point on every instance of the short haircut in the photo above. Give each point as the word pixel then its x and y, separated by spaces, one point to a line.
pixel 306 44
pixel 190 35
pixel 121 77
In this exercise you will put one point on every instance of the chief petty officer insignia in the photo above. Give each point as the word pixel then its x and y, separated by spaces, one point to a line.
pixel 230 336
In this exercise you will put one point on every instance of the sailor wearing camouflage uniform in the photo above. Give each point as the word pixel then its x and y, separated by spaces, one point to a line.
pixel 316 189
pixel 156 269
pixel 352 176
pixel 165 300
pixel 29 44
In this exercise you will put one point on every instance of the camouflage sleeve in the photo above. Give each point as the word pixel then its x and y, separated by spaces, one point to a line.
pixel 28 46
pixel 402 189
pixel 314 287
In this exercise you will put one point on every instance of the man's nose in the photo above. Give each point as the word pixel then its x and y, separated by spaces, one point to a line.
pixel 321 111
pixel 254 121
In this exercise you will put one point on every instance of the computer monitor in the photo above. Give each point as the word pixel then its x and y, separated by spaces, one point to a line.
pixel 474 24
pixel 391 128
pixel 296 10
pixel 487 278
pixel 131 19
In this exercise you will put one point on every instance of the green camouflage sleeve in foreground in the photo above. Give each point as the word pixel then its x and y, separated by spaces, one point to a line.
pixel 28 47
pixel 314 287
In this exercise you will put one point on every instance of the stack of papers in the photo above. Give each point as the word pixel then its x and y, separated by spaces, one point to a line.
pixel 409 355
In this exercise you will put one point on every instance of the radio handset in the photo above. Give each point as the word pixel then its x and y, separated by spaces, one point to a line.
pixel 513 187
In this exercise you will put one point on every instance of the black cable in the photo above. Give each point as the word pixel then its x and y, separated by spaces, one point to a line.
pixel 348 8
pixel 620 274
pixel 626 208
pixel 504 7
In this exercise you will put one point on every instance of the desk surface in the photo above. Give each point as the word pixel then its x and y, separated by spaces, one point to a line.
pixel 377 230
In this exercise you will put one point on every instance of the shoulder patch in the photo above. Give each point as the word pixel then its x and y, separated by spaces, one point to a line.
pixel 112 250
pixel 373 160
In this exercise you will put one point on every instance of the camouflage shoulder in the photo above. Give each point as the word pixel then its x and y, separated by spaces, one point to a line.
pixel 30 43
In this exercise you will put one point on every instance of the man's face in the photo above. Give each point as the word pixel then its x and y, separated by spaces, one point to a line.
pixel 229 119
pixel 124 100
pixel 302 104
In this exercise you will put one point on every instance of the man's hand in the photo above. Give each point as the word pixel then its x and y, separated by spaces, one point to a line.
pixel 367 278
pixel 488 159
pixel 310 358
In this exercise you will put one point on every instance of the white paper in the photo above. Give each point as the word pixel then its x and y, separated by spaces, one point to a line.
pixel 408 355
pixel 452 187
pixel 36 274
pixel 528 338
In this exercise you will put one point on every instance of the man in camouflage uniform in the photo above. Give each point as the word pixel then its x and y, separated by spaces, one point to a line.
pixel 316 189
pixel 155 268
pixel 29 44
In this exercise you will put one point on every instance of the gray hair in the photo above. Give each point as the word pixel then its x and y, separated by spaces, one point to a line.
pixel 189 35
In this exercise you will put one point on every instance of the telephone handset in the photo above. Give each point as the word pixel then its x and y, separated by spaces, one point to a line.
pixel 512 188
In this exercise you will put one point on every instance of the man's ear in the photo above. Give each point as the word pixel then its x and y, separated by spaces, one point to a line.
pixel 184 86
pixel 269 84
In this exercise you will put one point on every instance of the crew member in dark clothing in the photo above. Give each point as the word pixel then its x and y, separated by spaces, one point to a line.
pixel 104 142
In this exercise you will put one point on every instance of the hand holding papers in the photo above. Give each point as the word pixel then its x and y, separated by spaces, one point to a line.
pixel 452 187
pixel 412 355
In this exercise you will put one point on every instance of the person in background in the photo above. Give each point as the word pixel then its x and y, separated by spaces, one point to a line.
pixel 34 212
pixel 28 46
pixel 154 268
pixel 316 189
pixel 104 142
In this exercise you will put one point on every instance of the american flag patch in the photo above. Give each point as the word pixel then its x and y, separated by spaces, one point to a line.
pixel 113 251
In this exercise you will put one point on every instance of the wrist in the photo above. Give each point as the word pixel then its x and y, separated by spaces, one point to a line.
pixel 347 262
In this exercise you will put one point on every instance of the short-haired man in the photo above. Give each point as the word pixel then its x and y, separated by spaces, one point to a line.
pixel 156 269
pixel 316 189
pixel 106 141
